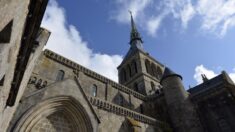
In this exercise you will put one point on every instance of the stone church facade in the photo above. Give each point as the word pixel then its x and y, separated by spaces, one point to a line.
pixel 42 91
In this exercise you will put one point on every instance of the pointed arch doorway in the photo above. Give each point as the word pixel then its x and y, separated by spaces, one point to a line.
pixel 58 114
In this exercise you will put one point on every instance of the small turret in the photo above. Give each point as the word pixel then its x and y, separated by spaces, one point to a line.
pixel 172 84
pixel 180 108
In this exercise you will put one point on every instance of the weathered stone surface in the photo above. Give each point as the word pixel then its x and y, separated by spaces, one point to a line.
pixel 57 94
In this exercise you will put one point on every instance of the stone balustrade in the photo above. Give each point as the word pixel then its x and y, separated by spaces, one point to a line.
pixel 110 107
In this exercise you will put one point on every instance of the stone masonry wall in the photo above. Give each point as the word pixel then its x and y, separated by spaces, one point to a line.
pixel 47 69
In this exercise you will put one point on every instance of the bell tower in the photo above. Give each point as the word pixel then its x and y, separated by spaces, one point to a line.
pixel 138 70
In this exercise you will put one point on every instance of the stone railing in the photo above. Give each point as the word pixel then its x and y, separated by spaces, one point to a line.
pixel 102 104
pixel 91 73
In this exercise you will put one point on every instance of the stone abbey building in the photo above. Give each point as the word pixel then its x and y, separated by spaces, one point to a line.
pixel 42 91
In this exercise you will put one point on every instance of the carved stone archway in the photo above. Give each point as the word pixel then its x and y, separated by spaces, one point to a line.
pixel 55 115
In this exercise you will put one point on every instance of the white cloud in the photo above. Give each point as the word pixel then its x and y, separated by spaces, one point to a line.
pixel 216 17
pixel 137 8
pixel 199 70
pixel 66 40
pixel 187 14
pixel 153 24
pixel 182 10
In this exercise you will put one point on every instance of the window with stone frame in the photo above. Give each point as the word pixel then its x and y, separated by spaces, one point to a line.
pixel 94 90
pixel 147 66
pixel 128 69
pixel 141 109
pixel 159 73
pixel 123 75
pixel 136 88
pixel 153 87
pixel 121 100
pixel 60 75
pixel 154 70
pixel 134 67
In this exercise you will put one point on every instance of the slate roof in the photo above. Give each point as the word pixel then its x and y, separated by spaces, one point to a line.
pixel 168 73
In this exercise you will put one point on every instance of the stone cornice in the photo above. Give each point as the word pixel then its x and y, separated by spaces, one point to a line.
pixel 102 104
pixel 75 66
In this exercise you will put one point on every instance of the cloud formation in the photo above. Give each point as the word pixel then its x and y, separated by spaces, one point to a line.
pixel 216 17
pixel 135 6
pixel 67 41
pixel 209 73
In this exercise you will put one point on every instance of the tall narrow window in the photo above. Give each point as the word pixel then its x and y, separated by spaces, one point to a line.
pixel 120 100
pixel 147 65
pixel 134 67
pixel 154 70
pixel 129 71
pixel 60 75
pixel 136 88
pixel 141 109
pixel 152 86
pixel 159 73
pixel 94 90
pixel 123 75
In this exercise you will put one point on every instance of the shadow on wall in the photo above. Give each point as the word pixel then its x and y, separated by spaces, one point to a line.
pixel 152 129
pixel 126 126
pixel 119 99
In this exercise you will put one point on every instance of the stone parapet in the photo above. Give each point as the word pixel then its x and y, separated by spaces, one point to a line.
pixel 110 107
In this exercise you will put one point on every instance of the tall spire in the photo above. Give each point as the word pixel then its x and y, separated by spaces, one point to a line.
pixel 135 35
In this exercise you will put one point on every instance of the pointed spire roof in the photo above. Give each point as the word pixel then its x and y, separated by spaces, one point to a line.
pixel 135 35
pixel 168 73
pixel 136 43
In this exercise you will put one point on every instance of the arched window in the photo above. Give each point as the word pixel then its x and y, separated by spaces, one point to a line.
pixel 159 73
pixel 134 67
pixel 123 75
pixel 152 86
pixel 120 100
pixel 94 90
pixel 136 88
pixel 60 75
pixel 141 109
pixel 129 71
pixel 147 65
pixel 154 70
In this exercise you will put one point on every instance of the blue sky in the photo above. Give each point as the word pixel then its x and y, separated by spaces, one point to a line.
pixel 190 37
